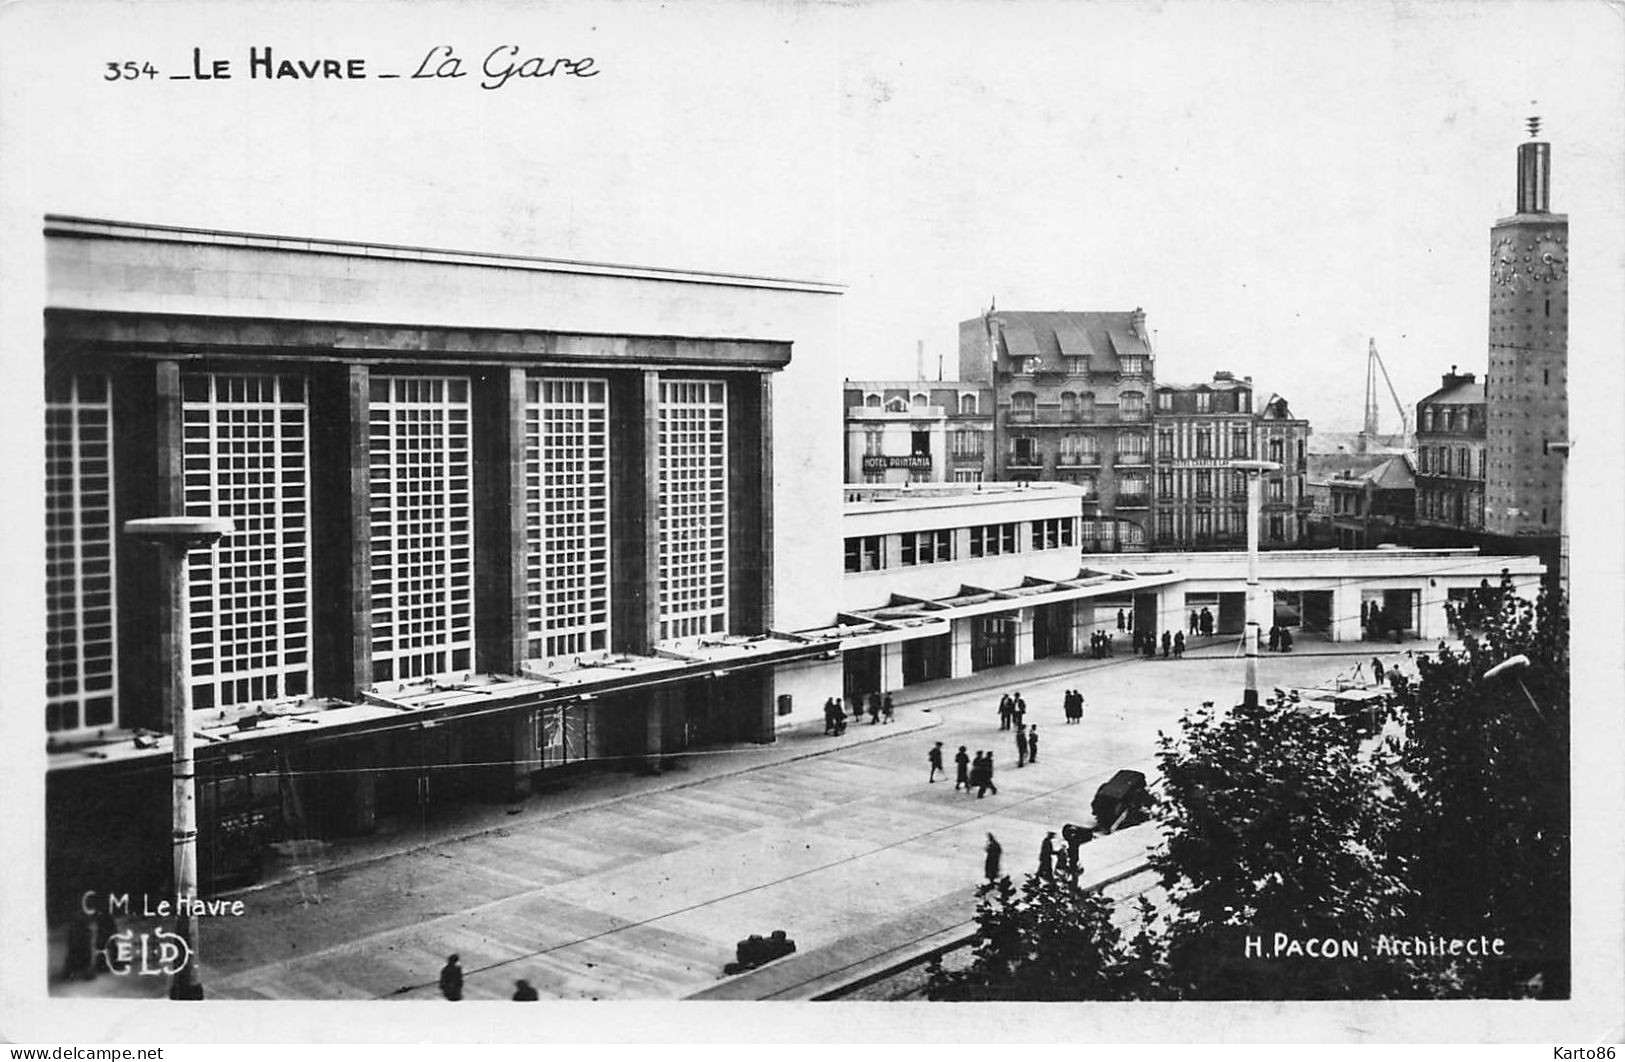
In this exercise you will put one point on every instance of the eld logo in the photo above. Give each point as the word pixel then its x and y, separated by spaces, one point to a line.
pixel 159 953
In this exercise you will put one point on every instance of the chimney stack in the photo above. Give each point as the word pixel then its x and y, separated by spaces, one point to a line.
pixel 919 359
pixel 1137 322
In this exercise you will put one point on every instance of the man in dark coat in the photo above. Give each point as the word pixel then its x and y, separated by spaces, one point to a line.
pixel 1032 743
pixel 935 757
pixel 1167 644
pixel 524 991
pixel 1074 837
pixel 1021 746
pixel 1005 708
pixel 995 852
pixel 451 979
pixel 1196 621
pixel 1018 708
pixel 1179 645
pixel 1275 638
pixel 1376 669
pixel 874 708
pixel 887 709
pixel 983 777
pixel 1046 857
pixel 1120 619
pixel 962 769
pixel 1207 622
pixel 1286 640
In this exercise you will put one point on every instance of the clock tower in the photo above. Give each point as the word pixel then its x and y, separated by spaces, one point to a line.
pixel 1526 392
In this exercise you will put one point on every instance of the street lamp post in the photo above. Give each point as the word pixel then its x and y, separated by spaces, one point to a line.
pixel 175 537
pixel 1253 469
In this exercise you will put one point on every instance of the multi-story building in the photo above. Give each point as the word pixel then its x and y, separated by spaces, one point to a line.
pixel 1201 430
pixel 1072 394
pixel 1375 507
pixel 1451 462
pixel 918 431
pixel 1526 389
pixel 492 511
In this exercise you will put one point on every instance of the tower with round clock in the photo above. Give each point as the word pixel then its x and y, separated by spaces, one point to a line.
pixel 1526 389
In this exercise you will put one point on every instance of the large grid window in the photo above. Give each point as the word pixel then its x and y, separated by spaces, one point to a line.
pixel 693 508
pixel 80 649
pixel 247 458
pixel 422 519
pixel 566 517
pixel 927 547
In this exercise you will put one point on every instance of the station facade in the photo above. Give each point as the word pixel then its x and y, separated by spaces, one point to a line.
pixel 493 516
pixel 944 581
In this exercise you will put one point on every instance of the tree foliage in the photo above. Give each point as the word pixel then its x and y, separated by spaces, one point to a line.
pixel 1274 823
pixel 1049 941
pixel 1484 830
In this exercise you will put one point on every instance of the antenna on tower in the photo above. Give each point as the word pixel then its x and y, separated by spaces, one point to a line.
pixel 1533 122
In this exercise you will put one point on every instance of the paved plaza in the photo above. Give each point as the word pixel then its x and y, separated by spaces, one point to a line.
pixel 634 888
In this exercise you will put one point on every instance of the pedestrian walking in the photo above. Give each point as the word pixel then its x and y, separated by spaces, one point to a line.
pixel 451 979
pixel 1032 743
pixel 1018 709
pixel 1046 857
pixel 839 705
pixel 1120 619
pixel 887 709
pixel 1109 650
pixel 874 708
pixel 1286 640
pixel 1196 621
pixel 983 775
pixel 1021 747
pixel 1167 644
pixel 995 852
pixel 1207 622
pixel 1376 669
pixel 1179 645
pixel 935 757
pixel 829 716
pixel 962 769
pixel 1006 706
pixel 1275 638
pixel 524 992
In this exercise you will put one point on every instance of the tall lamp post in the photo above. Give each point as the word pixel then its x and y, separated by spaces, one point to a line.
pixel 1253 469
pixel 175 537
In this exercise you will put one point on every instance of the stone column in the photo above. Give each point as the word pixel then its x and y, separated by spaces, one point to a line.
pixel 960 662
pixel 1024 636
pixel 891 666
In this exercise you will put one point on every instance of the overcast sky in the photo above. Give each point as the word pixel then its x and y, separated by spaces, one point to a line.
pixel 1275 183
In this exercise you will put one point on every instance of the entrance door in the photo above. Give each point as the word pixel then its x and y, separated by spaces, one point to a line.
pixel 861 672
pixel 993 642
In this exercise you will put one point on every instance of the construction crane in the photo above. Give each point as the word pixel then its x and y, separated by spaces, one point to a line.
pixel 1373 363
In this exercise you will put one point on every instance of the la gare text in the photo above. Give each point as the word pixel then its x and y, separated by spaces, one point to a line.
pixel 497 68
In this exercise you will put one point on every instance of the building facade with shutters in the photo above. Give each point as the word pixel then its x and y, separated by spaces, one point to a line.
pixel 1201 430
pixel 493 517
pixel 1072 403
pixel 1451 461
pixel 917 431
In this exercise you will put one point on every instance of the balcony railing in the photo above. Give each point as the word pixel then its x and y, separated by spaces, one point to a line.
pixel 1132 501
pixel 1077 460
pixel 1130 416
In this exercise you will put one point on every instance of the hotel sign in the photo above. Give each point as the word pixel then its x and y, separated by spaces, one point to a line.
pixel 920 462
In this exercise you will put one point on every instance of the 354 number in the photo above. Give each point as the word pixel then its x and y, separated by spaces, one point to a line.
pixel 128 71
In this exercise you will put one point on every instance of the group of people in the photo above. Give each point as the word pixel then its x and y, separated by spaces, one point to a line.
pixel 969 772
pixel 1072 705
pixel 1280 639
pixel 1051 859
pixel 881 710
pixel 1100 645
pixel 1011 710
pixel 451 983
pixel 1173 644
pixel 1202 622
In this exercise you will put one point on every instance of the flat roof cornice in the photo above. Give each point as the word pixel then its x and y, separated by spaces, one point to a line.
pixel 67 226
